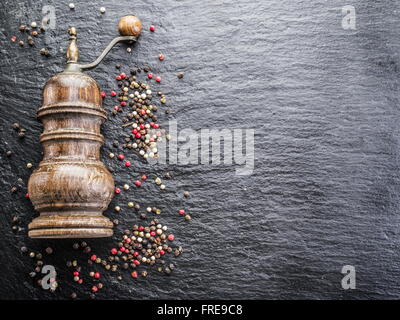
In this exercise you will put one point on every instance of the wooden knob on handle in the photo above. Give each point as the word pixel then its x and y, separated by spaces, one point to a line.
pixel 130 26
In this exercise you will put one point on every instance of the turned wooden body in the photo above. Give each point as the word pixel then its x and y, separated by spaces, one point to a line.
pixel 71 188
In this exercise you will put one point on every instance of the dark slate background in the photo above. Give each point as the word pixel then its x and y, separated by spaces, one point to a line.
pixel 324 105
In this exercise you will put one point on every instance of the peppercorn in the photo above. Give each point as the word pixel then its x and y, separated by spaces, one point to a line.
pixel 49 250
pixel 188 217
pixel 180 75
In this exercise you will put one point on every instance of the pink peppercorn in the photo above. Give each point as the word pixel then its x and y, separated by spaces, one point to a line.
pixel 150 75
pixel 122 75
pixel 114 251
pixel 27 195
pixel 171 237
pixel 76 274
pixel 121 157
pixel 80 281
pixel 181 211
pixel 153 234
pixel 162 252
pixel 117 190
pixel 152 28
pixel 141 228
pixel 161 57
pixel 134 131
pixel 103 94
pixel 138 135
pixel 136 253
pixel 138 183
pixel 118 78
pixel 127 163
pixel 142 126
pixel 123 103
pixel 95 289
pixel 156 126
pixel 144 177
pixel 158 79
pixel 113 93
pixel 136 262
pixel 116 108
pixel 134 274
pixel 93 257
pixel 97 275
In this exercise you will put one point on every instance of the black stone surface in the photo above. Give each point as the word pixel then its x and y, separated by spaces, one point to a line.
pixel 324 105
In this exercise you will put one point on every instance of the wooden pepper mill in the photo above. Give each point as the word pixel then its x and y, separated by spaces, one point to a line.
pixel 71 187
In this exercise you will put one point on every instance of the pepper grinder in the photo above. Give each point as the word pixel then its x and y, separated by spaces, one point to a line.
pixel 71 187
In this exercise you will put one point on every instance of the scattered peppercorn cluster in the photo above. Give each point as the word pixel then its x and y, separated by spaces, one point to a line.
pixel 28 33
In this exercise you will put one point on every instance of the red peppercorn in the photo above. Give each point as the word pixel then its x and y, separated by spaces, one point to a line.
pixel 138 135
pixel 136 253
pixel 122 75
pixel 171 237
pixel 181 211
pixel 156 126
pixel 114 251
pixel 27 195
pixel 150 75
pixel 138 183
pixel 142 126
pixel 142 112
pixel 13 38
pixel 76 274
pixel 136 262
pixel 152 124
pixel 93 257
pixel 113 93
pixel 123 103
pixel 152 28
pixel 80 281
pixel 121 157
pixel 144 177
pixel 103 94
pixel 117 190
pixel 128 240
pixel 153 234
pixel 97 275
pixel 118 78
pixel 158 79
pixel 134 131
pixel 141 228
pixel 122 249
pixel 95 289
pixel 127 163
pixel 162 252
pixel 116 108
pixel 134 274
pixel 161 57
